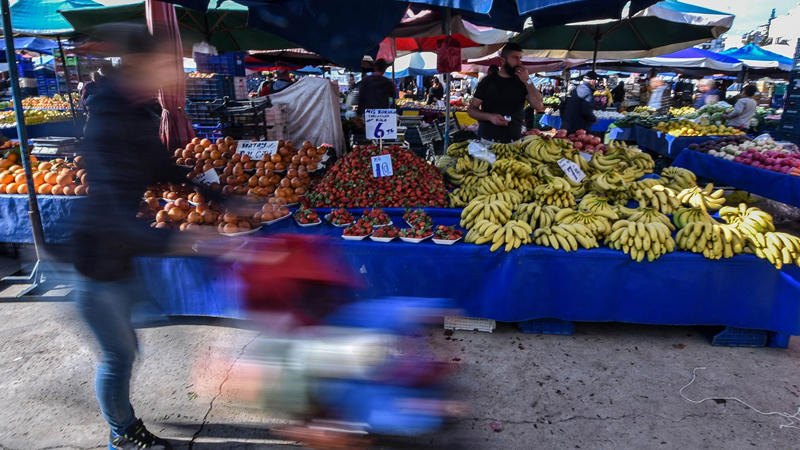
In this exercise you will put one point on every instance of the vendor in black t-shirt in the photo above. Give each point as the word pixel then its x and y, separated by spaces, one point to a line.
pixel 504 94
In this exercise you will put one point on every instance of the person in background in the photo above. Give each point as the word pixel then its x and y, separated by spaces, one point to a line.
pixel 578 109
pixel 284 81
pixel 618 95
pixel 659 97
pixel 90 89
pixel 493 69
pixel 264 87
pixel 548 89
pixel 499 101
pixel 351 83
pixel 435 93
pixel 605 98
pixel 377 91
pixel 708 93
pixel 744 109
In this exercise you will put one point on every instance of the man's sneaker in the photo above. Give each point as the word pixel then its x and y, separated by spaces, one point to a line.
pixel 137 437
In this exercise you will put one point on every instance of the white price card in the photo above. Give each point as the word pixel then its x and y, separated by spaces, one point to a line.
pixel 572 170
pixel 381 123
pixel 382 166
pixel 256 150
pixel 207 177
pixel 586 156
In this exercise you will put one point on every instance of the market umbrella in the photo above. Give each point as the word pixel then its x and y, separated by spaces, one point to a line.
pixel 756 57
pixel 41 17
pixel 666 27
pixel 695 58
pixel 33 44
pixel 224 27
pixel 415 64
pixel 532 64
pixel 175 128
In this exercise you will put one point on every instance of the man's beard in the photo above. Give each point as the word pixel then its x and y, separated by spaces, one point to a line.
pixel 509 68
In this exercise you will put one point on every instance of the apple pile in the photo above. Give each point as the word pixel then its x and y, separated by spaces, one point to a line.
pixel 774 161
pixel 584 142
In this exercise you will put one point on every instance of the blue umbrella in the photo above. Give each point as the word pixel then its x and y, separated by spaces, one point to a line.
pixel 42 17
pixel 33 44
pixel 757 58
pixel 695 58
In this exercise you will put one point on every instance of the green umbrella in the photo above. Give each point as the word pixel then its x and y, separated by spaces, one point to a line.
pixel 666 27
pixel 225 27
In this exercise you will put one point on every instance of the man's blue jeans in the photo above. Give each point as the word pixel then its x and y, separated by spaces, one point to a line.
pixel 106 307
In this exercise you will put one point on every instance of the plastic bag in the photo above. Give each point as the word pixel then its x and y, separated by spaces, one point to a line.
pixel 448 55
pixel 480 150
pixel 204 47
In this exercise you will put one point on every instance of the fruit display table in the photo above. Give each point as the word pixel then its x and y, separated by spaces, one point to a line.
pixel 621 134
pixel 776 186
pixel 65 129
pixel 665 144
pixel 58 214
pixel 553 121
pixel 530 283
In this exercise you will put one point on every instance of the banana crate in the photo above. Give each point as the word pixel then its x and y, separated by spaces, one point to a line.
pixel 469 324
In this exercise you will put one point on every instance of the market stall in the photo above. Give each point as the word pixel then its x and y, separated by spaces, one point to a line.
pixel 663 143
pixel 601 126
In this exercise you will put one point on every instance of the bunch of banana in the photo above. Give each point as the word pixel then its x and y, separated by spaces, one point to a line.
pixel 737 196
pixel 512 234
pixel 749 221
pixel 581 189
pixel 467 163
pixel 684 216
pixel 458 149
pixel 599 223
pixel 643 183
pixel 506 151
pixel 659 197
pixel 543 149
pixel 541 170
pixel 597 203
pixel 463 195
pixel 510 196
pixel 631 174
pixel 496 211
pixel 493 184
pixel 678 178
pixel 536 215
pixel 705 198
pixel 609 182
pixel 623 212
pixel 566 236
pixel 515 168
pixel 777 248
pixel 641 240
pixel 643 162
pixel 456 201
pixel 604 163
pixel 555 192
pixel 442 162
pixel 651 215
pixel 713 240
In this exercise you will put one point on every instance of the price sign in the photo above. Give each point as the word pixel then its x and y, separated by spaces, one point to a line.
pixel 381 124
pixel 255 150
pixel 382 166
pixel 572 170
pixel 207 177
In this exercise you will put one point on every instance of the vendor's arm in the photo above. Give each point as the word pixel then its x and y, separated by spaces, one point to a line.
pixel 474 111
pixel 738 109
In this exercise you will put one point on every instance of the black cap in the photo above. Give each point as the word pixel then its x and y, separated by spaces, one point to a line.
pixel 591 75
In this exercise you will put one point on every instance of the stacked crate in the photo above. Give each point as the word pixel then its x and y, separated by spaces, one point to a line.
pixel 789 129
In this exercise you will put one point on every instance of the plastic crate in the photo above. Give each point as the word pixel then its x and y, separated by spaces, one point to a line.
pixel 739 337
pixel 547 326
pixel 217 87
pixel 201 112
pixel 52 90
pixel 210 132
pixel 230 63
pixel 52 82
pixel 469 324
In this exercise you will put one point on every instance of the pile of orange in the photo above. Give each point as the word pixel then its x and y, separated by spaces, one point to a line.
pixel 56 177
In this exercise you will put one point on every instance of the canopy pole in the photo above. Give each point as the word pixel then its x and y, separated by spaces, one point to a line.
pixel 33 206
pixel 447 90
pixel 69 86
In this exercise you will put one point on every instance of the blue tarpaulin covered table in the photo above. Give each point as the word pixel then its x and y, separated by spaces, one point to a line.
pixel 621 134
pixel 665 144
pixel 65 129
pixel 776 186
pixel 552 121
pixel 58 213
pixel 525 284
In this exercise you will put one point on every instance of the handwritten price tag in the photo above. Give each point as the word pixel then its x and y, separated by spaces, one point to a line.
pixel 207 177
pixel 382 166
pixel 381 123
pixel 572 170
pixel 256 150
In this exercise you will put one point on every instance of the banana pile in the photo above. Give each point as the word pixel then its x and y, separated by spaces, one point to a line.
pixel 749 221
pixel 599 223
pixel 651 215
pixel 506 151
pixel 555 192
pixel 458 149
pixel 778 248
pixel 706 199
pixel 609 182
pixel 624 212
pixel 604 163
pixel 597 203
pixel 512 234
pixel 467 171
pixel 536 215
pixel 684 216
pixel 496 211
pixel 713 240
pixel 566 236
pixel 641 240
pixel 678 178
pixel 656 196
pixel 499 187
pixel 518 176
pixel 543 149
pixel 462 195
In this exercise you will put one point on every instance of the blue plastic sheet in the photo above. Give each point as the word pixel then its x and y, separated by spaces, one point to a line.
pixel 665 144
pixel 552 121
pixel 64 129
pixel 621 134
pixel 58 214
pixel 776 186
pixel 533 282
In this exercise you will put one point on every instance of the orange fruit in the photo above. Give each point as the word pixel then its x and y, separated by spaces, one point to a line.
pixel 45 189
pixel 22 189
pixel 51 178
pixel 11 188
pixel 6 178
pixel 57 190
pixel 20 178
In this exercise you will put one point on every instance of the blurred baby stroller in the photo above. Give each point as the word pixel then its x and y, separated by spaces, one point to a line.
pixel 347 371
